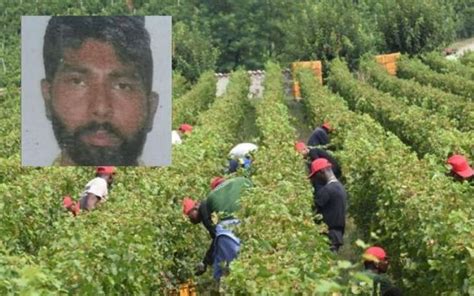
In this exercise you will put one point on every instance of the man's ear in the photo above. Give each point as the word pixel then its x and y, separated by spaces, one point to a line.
pixel 153 102
pixel 45 91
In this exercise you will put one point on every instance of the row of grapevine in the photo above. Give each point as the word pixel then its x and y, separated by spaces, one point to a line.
pixel 10 123
pixel 467 58
pixel 137 242
pixel 34 179
pixel 423 131
pixel 440 64
pixel 455 107
pixel 180 85
pixel 283 251
pixel 422 217
pixel 198 99
pixel 414 68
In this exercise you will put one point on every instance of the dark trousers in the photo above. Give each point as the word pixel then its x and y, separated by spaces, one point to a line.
pixel 335 238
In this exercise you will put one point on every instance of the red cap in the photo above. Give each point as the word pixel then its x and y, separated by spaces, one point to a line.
pixel 67 202
pixel 216 181
pixel 188 205
pixel 105 170
pixel 327 126
pixel 319 164
pixel 186 128
pixel 460 166
pixel 375 254
pixel 300 147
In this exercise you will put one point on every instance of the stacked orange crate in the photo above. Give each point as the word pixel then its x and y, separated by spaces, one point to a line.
pixel 389 61
pixel 317 68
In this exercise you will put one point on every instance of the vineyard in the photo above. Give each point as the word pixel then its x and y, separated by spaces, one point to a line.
pixel 392 135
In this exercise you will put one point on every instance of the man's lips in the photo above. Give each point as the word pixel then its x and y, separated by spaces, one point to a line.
pixel 100 138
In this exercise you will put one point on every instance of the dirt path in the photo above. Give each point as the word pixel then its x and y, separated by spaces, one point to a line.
pixel 222 81
pixel 296 110
pixel 462 46
pixel 256 83
pixel 304 130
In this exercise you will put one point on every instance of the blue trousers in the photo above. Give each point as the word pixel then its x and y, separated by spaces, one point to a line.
pixel 226 249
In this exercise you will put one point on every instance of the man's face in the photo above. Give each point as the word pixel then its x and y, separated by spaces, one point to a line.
pixel 99 107
pixel 305 152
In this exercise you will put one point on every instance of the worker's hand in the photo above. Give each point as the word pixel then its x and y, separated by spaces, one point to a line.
pixel 200 269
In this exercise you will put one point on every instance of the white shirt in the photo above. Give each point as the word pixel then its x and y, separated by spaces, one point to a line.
pixel 98 187
pixel 175 138
pixel 241 150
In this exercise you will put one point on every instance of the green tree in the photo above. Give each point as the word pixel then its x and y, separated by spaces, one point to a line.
pixel 193 53
pixel 326 30
pixel 413 26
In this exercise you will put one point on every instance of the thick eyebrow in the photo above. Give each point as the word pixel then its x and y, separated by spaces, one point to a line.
pixel 68 68
pixel 122 73
pixel 126 73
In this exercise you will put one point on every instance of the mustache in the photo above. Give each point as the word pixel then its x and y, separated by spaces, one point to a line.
pixel 94 127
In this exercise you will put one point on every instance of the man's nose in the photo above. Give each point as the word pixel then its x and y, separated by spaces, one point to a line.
pixel 101 104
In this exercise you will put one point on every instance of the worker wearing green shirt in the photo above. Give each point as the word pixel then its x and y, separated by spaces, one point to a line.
pixel 223 200
pixel 376 265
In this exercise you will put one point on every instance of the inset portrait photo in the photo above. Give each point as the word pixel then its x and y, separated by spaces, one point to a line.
pixel 96 90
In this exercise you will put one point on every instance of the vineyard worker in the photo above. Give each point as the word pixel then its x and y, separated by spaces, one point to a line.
pixel 223 199
pixel 315 153
pixel 320 135
pixel 242 150
pixel 240 156
pixel 460 169
pixel 98 88
pixel 95 192
pixel 376 265
pixel 235 164
pixel 175 138
pixel 184 130
pixel 330 201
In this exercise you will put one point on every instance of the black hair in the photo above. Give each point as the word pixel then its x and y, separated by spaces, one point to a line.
pixel 127 35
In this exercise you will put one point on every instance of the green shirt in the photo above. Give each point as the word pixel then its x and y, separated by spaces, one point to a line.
pixel 225 197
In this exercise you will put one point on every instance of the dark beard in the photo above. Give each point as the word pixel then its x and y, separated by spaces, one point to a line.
pixel 81 153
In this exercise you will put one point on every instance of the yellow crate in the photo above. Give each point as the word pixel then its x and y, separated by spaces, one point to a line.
pixel 315 66
pixel 185 289
pixel 387 58
pixel 391 68
pixel 296 90
pixel 389 61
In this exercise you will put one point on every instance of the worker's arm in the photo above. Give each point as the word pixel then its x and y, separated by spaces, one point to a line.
pixel 322 197
pixel 208 259
pixel 211 228
pixel 206 219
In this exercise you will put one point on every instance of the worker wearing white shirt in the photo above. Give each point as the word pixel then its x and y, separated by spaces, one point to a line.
pixel 242 150
pixel 175 138
pixel 184 129
pixel 240 157
pixel 96 191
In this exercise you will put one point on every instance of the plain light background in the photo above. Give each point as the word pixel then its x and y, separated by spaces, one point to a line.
pixel 38 144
